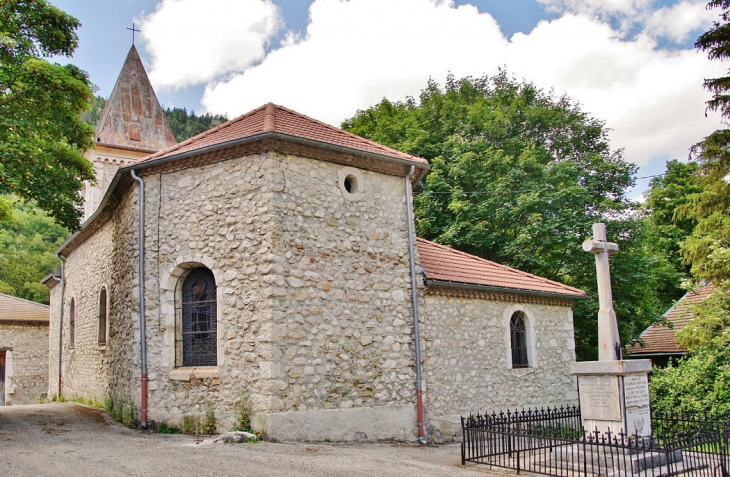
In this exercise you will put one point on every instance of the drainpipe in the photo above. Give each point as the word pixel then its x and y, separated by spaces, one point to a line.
pixel 142 330
pixel 60 321
pixel 414 299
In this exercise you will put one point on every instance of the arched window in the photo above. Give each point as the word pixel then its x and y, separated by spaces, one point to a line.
pixel 72 324
pixel 199 313
pixel 102 316
pixel 518 340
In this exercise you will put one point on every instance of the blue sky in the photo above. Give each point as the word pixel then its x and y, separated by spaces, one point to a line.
pixel 628 62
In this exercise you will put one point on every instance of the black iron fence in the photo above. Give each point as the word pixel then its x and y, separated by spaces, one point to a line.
pixel 553 442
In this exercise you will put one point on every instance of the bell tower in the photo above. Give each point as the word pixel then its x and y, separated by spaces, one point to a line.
pixel 131 127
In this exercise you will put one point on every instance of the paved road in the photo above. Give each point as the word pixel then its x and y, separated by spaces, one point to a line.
pixel 76 440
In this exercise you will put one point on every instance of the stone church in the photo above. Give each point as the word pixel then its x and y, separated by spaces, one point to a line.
pixel 271 260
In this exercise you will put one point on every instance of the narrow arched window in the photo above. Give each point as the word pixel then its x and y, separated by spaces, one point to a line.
pixel 518 340
pixel 199 314
pixel 72 324
pixel 102 316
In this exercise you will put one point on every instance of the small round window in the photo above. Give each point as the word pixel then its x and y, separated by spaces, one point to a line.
pixel 351 182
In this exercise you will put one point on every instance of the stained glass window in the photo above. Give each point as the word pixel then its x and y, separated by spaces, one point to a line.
pixel 199 312
pixel 518 335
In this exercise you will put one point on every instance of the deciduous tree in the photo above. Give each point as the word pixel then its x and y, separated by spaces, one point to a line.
pixel 41 135
pixel 519 176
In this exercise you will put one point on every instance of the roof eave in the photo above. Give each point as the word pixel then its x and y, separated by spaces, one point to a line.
pixel 424 167
pixel 274 135
pixel 516 291
pixel 656 353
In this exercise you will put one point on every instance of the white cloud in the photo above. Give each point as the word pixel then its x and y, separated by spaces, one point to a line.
pixel 598 8
pixel 651 99
pixel 353 53
pixel 357 52
pixel 679 21
pixel 195 41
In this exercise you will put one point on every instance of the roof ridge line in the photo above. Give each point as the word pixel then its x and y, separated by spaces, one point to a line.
pixel 24 300
pixel 202 135
pixel 342 131
pixel 505 267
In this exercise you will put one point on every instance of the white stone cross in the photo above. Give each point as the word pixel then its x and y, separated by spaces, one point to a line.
pixel 609 342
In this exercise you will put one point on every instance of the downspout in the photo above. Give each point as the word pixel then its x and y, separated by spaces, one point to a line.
pixel 60 322
pixel 414 299
pixel 142 328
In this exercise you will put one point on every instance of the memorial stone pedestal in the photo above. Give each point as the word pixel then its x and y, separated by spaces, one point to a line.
pixel 614 395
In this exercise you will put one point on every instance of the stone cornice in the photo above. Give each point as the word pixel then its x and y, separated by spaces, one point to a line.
pixel 439 290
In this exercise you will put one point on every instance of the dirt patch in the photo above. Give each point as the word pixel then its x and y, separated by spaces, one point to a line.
pixel 97 415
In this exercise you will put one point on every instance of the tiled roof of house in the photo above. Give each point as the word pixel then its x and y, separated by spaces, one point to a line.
pixel 448 265
pixel 17 309
pixel 659 338
pixel 274 118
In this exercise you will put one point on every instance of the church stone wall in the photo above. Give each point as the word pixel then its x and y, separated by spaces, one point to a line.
pixel 313 295
pixel 467 365
pixel 86 363
pixel 343 301
pixel 26 364
pixel 220 216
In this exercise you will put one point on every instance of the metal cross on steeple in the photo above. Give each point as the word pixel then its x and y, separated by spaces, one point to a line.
pixel 133 32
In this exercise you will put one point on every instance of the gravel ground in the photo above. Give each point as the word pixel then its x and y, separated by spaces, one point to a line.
pixel 77 440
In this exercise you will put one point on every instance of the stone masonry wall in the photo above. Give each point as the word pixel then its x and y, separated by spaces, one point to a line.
pixel 219 216
pixel 343 293
pixel 467 365
pixel 85 361
pixel 313 309
pixel 26 365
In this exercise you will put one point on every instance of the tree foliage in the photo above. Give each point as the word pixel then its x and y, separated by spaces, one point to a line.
pixel 701 380
pixel 41 135
pixel 27 251
pixel 666 195
pixel 700 383
pixel 184 125
pixel 519 176
pixel 91 116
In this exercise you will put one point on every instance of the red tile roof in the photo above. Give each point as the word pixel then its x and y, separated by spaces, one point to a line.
pixel 16 309
pixel 274 118
pixel 659 338
pixel 449 265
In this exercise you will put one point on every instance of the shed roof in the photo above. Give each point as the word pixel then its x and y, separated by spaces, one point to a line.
pixel 659 338
pixel 17 309
pixel 446 265
pixel 274 118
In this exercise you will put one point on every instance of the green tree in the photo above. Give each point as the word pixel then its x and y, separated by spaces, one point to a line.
pixel 41 135
pixel 91 116
pixel 27 251
pixel 707 249
pixel 184 125
pixel 699 383
pixel 519 176
pixel 666 195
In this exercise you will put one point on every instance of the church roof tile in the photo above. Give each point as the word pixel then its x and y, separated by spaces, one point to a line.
pixel 444 264
pixel 274 118
pixel 17 309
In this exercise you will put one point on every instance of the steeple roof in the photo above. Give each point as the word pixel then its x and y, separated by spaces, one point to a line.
pixel 133 118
